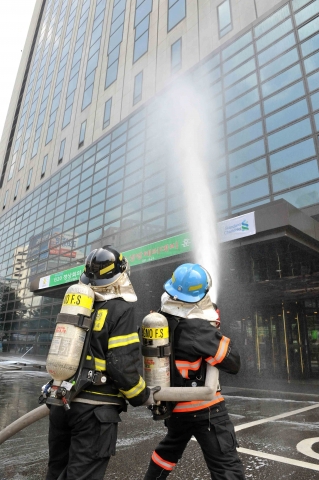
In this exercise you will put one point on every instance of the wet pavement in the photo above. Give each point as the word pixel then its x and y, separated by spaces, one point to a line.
pixel 269 425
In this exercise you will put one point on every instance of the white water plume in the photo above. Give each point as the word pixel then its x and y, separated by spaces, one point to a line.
pixel 186 119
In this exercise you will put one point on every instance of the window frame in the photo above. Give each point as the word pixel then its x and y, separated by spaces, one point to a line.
pixel 221 32
pixel 137 97
pixel 178 66
pixel 29 178
pixel 107 106
pixel 168 12
pixel 16 189
pixel 5 200
pixel 44 165
pixel 61 151
pixel 82 134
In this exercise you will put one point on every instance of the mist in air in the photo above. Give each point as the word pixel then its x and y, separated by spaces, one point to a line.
pixel 185 116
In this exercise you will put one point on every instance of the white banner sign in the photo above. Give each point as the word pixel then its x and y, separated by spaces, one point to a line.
pixel 237 227
pixel 44 282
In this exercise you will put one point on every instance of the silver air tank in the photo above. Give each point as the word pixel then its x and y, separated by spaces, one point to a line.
pixel 68 339
pixel 156 350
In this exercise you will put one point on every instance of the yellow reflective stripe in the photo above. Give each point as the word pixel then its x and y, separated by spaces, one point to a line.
pixel 123 340
pixel 133 392
pixel 195 287
pixel 120 257
pixel 105 394
pixel 100 364
pixel 100 320
pixel 107 269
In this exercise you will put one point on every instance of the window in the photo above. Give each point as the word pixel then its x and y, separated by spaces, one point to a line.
pixel 306 13
pixel 44 166
pixel 61 153
pixel 289 134
pixel 245 136
pixel 287 115
pixel 176 12
pixel 107 113
pixel 82 134
pixel 284 97
pixel 141 25
pixel 29 178
pixel 138 84
pixel 295 176
pixel 5 199
pixel 224 18
pixel 115 40
pixel 176 56
pixel 272 21
pixel 93 56
pixel 16 190
pixel 302 197
pixel 291 155
pixel 249 192
pixel 247 173
pixel 255 150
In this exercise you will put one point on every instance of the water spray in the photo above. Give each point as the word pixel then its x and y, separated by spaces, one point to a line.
pixel 184 114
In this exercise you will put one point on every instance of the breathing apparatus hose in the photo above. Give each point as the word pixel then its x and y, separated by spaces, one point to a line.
pixel 23 422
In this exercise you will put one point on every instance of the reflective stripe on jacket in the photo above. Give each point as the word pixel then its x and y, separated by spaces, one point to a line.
pixel 195 342
pixel 187 407
pixel 115 349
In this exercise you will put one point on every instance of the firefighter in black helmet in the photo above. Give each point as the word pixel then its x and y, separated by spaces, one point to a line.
pixel 103 267
pixel 82 439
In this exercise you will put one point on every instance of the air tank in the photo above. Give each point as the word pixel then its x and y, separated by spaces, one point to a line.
pixel 68 340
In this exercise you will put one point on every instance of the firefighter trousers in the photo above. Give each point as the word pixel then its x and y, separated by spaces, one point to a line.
pixel 81 441
pixel 216 438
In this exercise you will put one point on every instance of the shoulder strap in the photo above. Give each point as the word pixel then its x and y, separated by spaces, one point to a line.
pixel 91 363
pixel 82 377
pixel 177 379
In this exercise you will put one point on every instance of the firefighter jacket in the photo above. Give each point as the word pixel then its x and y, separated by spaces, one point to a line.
pixel 114 350
pixel 195 343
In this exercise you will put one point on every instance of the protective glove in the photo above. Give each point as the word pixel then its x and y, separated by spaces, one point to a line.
pixel 151 400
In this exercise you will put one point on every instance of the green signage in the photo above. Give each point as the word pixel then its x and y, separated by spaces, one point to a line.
pixel 157 250
pixel 59 278
pixel 147 253
pixel 71 275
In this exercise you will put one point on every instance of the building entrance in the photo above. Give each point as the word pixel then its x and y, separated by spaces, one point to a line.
pixel 278 341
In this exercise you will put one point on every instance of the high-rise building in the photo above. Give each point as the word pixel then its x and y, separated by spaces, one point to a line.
pixel 91 154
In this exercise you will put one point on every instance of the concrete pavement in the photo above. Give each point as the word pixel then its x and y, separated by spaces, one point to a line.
pixel 277 430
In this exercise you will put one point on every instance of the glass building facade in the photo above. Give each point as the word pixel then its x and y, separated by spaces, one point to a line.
pixel 261 90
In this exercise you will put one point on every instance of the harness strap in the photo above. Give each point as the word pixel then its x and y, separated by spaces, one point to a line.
pixel 78 320
pixel 160 351
pixel 176 378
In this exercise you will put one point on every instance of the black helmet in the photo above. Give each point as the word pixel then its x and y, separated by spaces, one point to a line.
pixel 103 266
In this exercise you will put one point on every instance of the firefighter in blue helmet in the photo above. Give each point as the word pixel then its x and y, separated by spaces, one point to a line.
pixel 82 439
pixel 196 341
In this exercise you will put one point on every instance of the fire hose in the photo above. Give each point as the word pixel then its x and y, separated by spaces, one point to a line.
pixel 165 394
pixel 188 394
pixel 24 421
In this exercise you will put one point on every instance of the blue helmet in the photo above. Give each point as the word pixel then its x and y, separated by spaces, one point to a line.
pixel 189 283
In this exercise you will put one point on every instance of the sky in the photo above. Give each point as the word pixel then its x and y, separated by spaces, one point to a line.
pixel 15 17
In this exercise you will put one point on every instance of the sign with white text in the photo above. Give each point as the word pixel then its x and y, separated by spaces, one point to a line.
pixel 237 227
